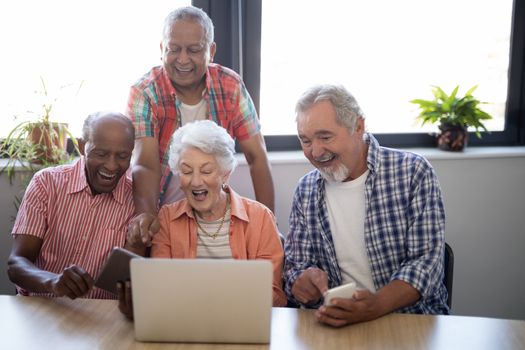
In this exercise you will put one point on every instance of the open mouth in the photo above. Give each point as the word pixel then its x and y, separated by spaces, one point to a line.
pixel 325 159
pixel 106 176
pixel 183 70
pixel 199 195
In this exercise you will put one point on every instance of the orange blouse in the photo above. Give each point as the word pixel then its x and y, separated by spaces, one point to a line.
pixel 253 235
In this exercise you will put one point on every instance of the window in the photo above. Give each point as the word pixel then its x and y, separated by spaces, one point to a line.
pixel 490 53
pixel 386 53
pixel 103 45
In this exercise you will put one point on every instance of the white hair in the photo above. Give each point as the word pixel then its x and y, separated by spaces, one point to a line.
pixel 346 107
pixel 207 137
pixel 189 13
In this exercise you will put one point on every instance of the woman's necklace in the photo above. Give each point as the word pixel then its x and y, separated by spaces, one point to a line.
pixel 220 225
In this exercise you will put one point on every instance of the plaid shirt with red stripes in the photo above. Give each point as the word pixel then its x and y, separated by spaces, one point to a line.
pixel 155 110
pixel 76 227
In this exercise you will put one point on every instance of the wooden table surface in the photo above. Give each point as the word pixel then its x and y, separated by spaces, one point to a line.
pixel 40 323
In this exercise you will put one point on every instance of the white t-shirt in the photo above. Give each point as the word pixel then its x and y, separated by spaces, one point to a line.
pixel 189 113
pixel 345 202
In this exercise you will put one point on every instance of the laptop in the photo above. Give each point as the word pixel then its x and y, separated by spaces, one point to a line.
pixel 202 300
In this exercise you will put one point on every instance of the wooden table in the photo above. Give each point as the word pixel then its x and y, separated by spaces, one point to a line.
pixel 40 323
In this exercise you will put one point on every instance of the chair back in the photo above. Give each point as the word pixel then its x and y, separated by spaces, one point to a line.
pixel 448 278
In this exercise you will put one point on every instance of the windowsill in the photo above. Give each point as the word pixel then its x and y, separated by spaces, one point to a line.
pixel 297 157
pixel 471 152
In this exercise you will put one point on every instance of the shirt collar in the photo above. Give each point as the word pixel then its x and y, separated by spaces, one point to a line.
pixel 373 152
pixel 79 182
pixel 123 186
pixel 173 92
pixel 167 83
pixel 237 208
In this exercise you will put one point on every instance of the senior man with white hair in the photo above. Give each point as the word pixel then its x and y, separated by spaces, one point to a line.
pixel 367 214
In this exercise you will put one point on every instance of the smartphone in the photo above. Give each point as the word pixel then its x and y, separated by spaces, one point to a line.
pixel 344 291
pixel 115 269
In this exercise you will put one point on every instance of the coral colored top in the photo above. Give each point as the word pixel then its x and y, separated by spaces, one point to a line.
pixel 253 235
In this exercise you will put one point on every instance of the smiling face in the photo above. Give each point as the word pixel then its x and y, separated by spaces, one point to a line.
pixel 332 148
pixel 107 153
pixel 186 55
pixel 201 180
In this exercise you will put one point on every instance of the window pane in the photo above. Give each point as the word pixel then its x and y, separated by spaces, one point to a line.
pixel 107 45
pixel 386 53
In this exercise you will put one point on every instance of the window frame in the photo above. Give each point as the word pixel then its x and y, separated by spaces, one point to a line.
pixel 238 37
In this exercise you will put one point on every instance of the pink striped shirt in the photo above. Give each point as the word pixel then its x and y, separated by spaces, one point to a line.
pixel 76 227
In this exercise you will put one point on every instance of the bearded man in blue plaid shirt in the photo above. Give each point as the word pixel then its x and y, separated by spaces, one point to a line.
pixel 367 214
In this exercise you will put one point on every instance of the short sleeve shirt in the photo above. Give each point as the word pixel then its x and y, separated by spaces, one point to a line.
pixel 76 227
pixel 155 110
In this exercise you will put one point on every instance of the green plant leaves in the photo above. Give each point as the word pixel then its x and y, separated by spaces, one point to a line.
pixel 450 109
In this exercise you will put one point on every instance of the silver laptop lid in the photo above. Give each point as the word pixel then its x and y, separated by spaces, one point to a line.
pixel 202 300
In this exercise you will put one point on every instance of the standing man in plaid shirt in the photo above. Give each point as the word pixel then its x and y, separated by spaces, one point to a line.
pixel 188 87
pixel 368 214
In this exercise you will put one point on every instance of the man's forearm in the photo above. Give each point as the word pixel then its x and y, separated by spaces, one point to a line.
pixel 263 182
pixel 145 190
pixel 396 295
pixel 25 274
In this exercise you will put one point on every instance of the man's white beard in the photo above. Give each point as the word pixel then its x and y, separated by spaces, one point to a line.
pixel 338 174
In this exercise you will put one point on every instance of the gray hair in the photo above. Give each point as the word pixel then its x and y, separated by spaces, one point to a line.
pixel 189 13
pixel 92 119
pixel 346 107
pixel 207 137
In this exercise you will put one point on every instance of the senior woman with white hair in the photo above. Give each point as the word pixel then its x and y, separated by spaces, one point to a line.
pixel 213 221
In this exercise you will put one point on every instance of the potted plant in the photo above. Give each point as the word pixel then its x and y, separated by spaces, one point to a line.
pixel 454 115
pixel 37 142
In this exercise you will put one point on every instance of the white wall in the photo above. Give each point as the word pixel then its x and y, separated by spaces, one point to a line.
pixel 484 197
pixel 7 214
pixel 485 207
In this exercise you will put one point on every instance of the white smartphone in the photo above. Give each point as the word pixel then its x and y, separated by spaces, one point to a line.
pixel 344 291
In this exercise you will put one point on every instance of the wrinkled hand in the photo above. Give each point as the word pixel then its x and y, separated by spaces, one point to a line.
pixel 125 304
pixel 363 306
pixel 141 230
pixel 73 282
pixel 310 286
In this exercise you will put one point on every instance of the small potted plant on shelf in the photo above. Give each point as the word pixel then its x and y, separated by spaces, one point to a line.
pixel 454 114
pixel 37 142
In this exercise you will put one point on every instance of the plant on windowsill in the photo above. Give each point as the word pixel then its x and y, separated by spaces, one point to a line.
pixel 36 142
pixel 454 114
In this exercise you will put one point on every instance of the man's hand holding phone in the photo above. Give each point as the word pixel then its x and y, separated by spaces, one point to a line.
pixel 344 291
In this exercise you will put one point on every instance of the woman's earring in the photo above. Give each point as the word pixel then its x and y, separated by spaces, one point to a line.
pixel 224 186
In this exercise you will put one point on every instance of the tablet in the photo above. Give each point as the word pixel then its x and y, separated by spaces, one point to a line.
pixel 116 269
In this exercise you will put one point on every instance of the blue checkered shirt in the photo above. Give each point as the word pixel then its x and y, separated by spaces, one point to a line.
pixel 404 227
